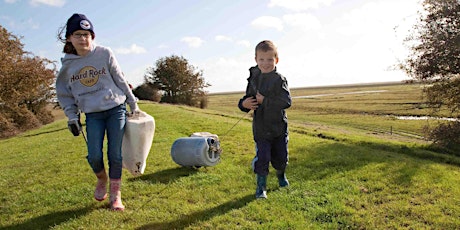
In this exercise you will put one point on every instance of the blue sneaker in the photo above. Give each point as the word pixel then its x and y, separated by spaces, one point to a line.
pixel 282 180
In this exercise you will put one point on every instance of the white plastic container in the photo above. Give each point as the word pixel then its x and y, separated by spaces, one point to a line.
pixel 200 149
pixel 137 141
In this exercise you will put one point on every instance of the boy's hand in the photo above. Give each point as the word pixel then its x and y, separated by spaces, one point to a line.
pixel 260 98
pixel 250 103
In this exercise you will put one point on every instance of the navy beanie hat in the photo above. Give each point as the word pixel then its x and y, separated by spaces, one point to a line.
pixel 78 22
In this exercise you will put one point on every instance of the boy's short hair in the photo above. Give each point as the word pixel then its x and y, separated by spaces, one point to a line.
pixel 267 45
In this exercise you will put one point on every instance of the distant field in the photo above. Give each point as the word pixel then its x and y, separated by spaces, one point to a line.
pixel 370 107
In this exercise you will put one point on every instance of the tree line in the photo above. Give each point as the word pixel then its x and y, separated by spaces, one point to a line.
pixel 26 87
pixel 27 82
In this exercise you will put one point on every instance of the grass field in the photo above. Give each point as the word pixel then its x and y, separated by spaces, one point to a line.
pixel 347 171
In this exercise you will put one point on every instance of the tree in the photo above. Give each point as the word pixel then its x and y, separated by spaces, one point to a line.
pixel 26 87
pixel 435 60
pixel 179 81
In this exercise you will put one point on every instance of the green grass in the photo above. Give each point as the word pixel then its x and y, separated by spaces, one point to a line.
pixel 341 178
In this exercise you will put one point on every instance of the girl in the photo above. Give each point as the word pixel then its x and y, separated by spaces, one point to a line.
pixel 91 81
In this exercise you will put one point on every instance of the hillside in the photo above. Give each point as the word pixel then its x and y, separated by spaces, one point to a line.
pixel 343 178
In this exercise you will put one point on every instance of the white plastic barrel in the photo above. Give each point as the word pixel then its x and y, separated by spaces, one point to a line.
pixel 200 149
pixel 137 141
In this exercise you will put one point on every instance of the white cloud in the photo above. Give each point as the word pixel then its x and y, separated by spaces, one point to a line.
pixel 162 46
pixel 244 43
pixel 136 75
pixel 223 38
pixel 299 5
pixel 266 22
pixel 11 1
pixel 32 24
pixel 57 3
pixel 357 46
pixel 373 17
pixel 28 24
pixel 133 49
pixel 226 74
pixel 302 21
pixel 193 42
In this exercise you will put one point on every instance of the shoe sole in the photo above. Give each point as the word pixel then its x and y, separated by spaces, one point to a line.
pixel 101 199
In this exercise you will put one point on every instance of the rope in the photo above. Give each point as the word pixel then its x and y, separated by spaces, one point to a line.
pixel 241 118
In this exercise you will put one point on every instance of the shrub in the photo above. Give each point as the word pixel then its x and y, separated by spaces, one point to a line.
pixel 26 87
pixel 147 92
pixel 447 136
pixel 8 128
pixel 204 102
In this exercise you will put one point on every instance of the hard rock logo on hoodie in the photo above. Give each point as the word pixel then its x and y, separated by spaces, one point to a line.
pixel 88 76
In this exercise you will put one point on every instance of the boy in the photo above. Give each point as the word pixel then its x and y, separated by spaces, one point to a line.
pixel 267 93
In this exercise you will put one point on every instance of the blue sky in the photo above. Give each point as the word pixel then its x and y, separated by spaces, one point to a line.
pixel 320 42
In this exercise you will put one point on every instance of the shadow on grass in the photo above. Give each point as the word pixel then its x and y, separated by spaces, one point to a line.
pixel 418 152
pixel 341 155
pixel 50 131
pixel 326 160
pixel 377 171
pixel 49 220
pixel 166 176
pixel 45 132
pixel 318 162
pixel 187 220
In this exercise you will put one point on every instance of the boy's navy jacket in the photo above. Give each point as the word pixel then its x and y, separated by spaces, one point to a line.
pixel 270 120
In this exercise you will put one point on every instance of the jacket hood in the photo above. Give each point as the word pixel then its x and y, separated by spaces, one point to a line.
pixel 254 71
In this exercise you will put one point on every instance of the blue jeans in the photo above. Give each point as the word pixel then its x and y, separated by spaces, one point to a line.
pixel 273 151
pixel 113 121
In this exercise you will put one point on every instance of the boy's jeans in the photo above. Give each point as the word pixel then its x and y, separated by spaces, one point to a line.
pixel 113 121
pixel 271 151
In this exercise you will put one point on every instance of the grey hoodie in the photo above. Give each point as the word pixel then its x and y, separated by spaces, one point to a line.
pixel 92 83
